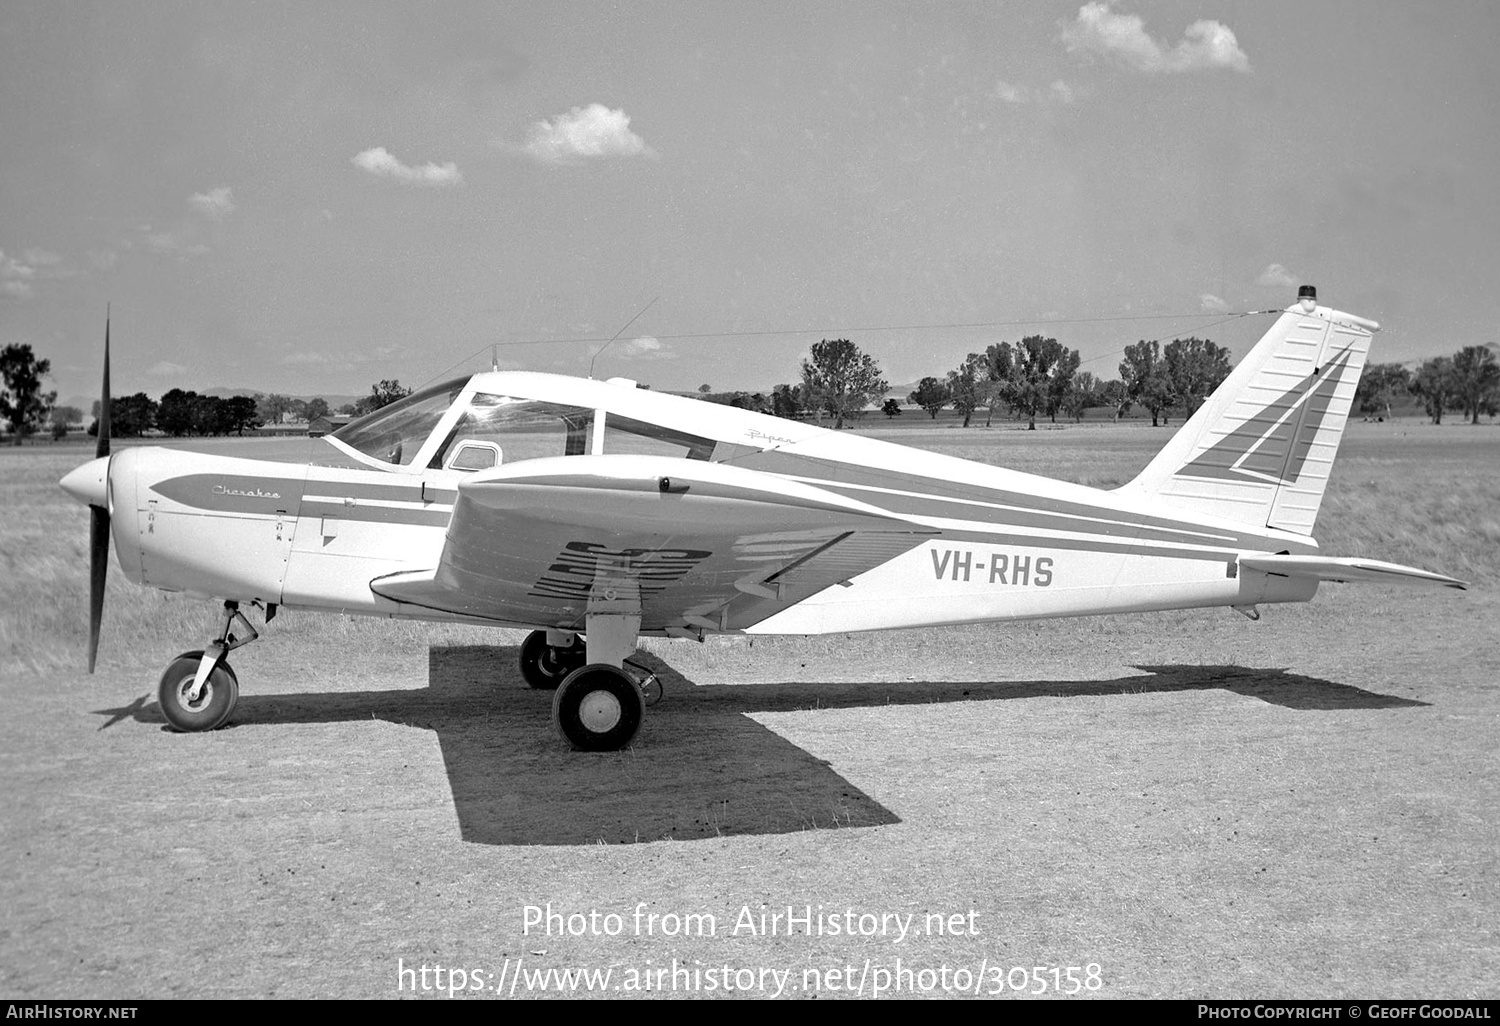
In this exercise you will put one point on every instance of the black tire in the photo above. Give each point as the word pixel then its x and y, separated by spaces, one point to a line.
pixel 543 666
pixel 598 708
pixel 215 704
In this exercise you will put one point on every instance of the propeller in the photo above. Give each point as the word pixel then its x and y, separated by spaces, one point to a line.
pixel 99 518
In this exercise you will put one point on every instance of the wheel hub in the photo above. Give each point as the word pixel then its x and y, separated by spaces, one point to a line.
pixel 185 695
pixel 599 711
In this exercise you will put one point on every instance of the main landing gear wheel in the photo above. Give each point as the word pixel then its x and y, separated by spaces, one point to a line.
pixel 215 703
pixel 544 666
pixel 598 708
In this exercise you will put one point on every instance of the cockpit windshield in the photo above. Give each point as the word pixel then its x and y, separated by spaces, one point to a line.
pixel 395 433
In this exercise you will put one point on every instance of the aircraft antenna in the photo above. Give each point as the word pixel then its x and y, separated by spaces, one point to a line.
pixel 619 333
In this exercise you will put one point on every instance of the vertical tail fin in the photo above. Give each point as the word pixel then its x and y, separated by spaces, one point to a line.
pixel 1260 449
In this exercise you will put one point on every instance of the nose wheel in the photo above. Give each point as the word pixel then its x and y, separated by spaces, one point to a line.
pixel 199 690
pixel 191 709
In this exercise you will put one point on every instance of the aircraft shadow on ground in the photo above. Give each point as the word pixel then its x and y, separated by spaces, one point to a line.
pixel 701 767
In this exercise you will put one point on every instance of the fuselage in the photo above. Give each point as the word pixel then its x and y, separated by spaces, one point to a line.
pixel 997 544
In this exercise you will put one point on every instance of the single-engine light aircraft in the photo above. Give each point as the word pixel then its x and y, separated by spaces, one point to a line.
pixel 596 512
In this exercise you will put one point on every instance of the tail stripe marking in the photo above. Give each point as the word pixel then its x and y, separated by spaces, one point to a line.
pixel 1272 446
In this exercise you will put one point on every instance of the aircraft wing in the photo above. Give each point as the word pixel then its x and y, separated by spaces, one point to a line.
pixel 1327 568
pixel 689 544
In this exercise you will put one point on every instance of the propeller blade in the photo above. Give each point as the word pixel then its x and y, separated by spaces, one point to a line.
pixel 99 518
pixel 98 568
pixel 101 447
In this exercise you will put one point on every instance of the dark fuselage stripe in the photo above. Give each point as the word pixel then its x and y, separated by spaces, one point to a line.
pixel 378 514
pixel 983 537
pixel 389 493
pixel 878 487
pixel 1003 516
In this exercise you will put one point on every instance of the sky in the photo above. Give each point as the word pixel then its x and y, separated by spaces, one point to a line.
pixel 308 198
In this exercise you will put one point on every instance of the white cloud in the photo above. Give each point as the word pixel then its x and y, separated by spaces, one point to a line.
pixel 380 161
pixel 645 347
pixel 1209 44
pixel 20 276
pixel 15 277
pixel 215 204
pixel 12 268
pixel 1276 276
pixel 1058 92
pixel 1012 93
pixel 179 242
pixel 305 357
pixel 1211 303
pixel 167 369
pixel 1204 45
pixel 583 133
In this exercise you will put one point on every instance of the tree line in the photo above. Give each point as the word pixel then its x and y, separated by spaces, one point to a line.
pixel 1033 377
pixel 1468 382
pixel 1039 377
pixel 180 412
pixel 26 408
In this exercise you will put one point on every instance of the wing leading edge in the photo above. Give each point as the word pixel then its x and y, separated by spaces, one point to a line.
pixel 691 545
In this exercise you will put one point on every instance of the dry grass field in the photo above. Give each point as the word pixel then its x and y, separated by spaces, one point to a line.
pixel 1192 804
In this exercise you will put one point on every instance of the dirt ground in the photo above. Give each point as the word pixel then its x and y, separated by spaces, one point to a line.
pixel 1171 805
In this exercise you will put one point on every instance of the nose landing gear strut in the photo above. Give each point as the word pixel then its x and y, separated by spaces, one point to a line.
pixel 199 689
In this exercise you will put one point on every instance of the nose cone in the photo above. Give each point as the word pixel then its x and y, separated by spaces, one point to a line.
pixel 89 484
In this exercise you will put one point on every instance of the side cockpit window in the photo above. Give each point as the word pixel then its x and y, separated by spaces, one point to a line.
pixel 497 428
pixel 623 436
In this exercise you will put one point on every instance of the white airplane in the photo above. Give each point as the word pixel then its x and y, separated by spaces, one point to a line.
pixel 597 512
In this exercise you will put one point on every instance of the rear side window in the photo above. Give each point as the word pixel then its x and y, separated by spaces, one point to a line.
pixel 623 436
